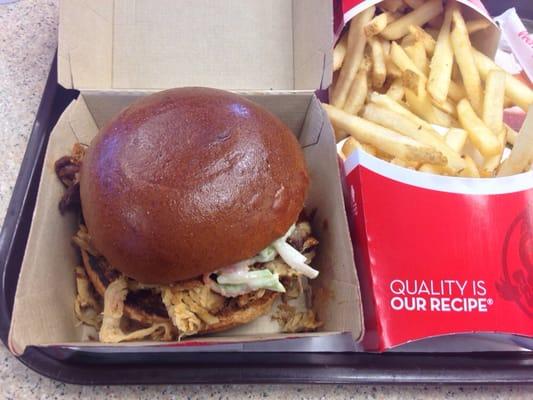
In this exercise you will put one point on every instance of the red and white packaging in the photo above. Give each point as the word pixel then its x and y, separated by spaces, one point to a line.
pixel 439 255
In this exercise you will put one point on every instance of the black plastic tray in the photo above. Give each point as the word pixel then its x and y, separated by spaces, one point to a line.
pixel 84 367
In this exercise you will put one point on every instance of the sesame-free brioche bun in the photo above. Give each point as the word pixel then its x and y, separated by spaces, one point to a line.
pixel 187 181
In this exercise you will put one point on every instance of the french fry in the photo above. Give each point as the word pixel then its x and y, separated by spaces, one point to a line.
pixel 419 17
pixel 395 90
pixel 353 57
pixel 421 105
pixel 462 50
pixel 391 5
pixel 350 145
pixel 433 169
pixel 447 106
pixel 456 92
pixel 384 139
pixel 339 52
pixel 511 134
pixel 414 3
pixel 493 101
pixel 379 22
pixel 379 70
pixel 417 53
pixel 414 82
pixel 476 25
pixel 493 162
pixel 407 40
pixel 402 60
pixel 517 91
pixel 386 46
pixel 455 139
pixel 471 170
pixel 405 164
pixel 392 68
pixel 422 36
pixel 357 94
pixel 386 102
pixel 440 67
pixel 407 127
pixel 480 135
pixel 521 156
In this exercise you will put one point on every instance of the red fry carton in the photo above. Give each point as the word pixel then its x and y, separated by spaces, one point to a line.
pixel 439 255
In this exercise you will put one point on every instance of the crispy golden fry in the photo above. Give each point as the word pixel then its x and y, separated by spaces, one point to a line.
pixel 386 102
pixel 421 105
pixel 511 134
pixel 462 50
pixel 481 136
pixel 402 60
pixel 517 91
pixel 395 90
pixel 379 22
pixel 414 3
pixel 418 17
pixel 471 170
pixel 493 162
pixel 391 5
pixel 384 139
pixel 440 68
pixel 357 94
pixel 405 164
pixel 417 53
pixel 493 101
pixel 422 36
pixel 379 70
pixel 353 57
pixel 456 138
pixel 339 52
pixel 521 156
pixel 475 25
pixel 407 127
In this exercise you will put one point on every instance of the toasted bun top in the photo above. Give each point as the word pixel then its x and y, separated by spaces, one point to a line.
pixel 190 180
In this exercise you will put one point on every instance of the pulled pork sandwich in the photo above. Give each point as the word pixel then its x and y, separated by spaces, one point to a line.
pixel 191 218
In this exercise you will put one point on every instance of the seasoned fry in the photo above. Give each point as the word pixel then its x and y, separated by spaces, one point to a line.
pixel 422 36
pixel 379 22
pixel 417 53
pixel 475 25
pixel 407 127
pixel 384 139
pixel 395 90
pixel 480 135
pixel 521 156
pixel 391 5
pixel 456 138
pixel 493 101
pixel 353 57
pixel 357 95
pixel 379 70
pixel 339 52
pixel 441 63
pixel 517 91
pixel 511 134
pixel 462 50
pixel 419 17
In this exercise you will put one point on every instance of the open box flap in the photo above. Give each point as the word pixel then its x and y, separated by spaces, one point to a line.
pixel 43 311
pixel 142 44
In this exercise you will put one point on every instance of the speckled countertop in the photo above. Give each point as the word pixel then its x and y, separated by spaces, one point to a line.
pixel 28 36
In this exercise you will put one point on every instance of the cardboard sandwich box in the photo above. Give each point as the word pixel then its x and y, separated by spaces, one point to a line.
pixel 274 52
pixel 439 255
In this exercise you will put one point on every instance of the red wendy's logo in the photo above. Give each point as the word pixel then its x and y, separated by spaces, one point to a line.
pixel 516 283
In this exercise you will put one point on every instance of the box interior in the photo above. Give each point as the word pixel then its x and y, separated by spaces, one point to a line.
pixel 143 44
pixel 43 312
